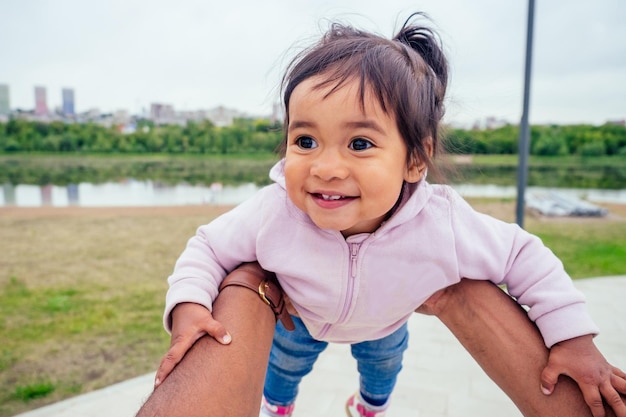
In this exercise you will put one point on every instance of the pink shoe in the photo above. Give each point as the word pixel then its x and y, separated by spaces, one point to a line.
pixel 269 410
pixel 357 407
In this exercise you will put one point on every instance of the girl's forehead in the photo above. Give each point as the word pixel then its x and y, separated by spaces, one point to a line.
pixel 326 87
pixel 316 103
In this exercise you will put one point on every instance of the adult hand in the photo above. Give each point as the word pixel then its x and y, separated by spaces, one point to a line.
pixel 599 382
pixel 190 322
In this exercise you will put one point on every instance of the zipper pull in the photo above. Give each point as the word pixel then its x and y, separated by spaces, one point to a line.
pixel 354 252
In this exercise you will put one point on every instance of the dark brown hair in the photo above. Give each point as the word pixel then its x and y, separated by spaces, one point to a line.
pixel 408 74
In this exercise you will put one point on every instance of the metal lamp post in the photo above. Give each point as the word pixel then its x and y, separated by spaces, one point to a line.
pixel 524 138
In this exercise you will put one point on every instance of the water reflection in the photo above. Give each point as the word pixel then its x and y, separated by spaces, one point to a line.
pixel 8 194
pixel 153 193
pixel 127 193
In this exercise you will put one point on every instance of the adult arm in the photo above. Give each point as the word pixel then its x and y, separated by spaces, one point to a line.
pixel 221 380
pixel 498 334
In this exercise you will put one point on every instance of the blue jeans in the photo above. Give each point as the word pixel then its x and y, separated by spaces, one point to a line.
pixel 294 353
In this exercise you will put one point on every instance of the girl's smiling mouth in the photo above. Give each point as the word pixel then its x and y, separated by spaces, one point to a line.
pixel 331 197
pixel 325 200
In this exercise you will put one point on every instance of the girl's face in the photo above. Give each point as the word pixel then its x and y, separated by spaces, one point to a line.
pixel 345 163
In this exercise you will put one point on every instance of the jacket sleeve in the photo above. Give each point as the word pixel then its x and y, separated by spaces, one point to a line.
pixel 504 253
pixel 216 249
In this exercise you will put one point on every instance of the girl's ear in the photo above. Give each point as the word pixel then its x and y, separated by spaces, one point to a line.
pixel 417 168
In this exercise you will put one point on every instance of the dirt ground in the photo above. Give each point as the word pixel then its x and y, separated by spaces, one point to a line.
pixel 504 210
pixel 35 212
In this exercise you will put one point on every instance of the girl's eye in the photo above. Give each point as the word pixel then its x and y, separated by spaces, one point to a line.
pixel 306 142
pixel 360 144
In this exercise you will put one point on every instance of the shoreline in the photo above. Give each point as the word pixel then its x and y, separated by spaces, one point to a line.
pixel 492 206
pixel 70 211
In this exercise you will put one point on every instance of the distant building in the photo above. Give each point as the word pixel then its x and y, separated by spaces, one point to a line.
pixel 221 116
pixel 494 123
pixel 4 99
pixel 162 113
pixel 41 104
pixel 68 102
pixel 490 122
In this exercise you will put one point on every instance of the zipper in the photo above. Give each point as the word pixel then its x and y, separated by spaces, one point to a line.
pixel 354 255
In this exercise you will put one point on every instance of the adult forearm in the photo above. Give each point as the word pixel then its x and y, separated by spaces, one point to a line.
pixel 498 334
pixel 221 380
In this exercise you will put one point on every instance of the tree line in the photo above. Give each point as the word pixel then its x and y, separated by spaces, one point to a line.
pixel 546 140
pixel 243 136
pixel 263 136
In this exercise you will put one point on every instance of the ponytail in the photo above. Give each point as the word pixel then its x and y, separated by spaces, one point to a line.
pixel 427 44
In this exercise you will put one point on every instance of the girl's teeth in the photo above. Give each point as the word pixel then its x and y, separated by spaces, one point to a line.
pixel 331 197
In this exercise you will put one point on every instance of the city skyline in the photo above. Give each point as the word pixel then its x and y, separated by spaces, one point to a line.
pixel 215 55
pixel 160 113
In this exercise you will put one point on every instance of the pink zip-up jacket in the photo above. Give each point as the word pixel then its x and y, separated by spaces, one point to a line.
pixel 366 286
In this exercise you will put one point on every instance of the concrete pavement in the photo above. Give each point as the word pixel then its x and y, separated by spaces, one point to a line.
pixel 439 378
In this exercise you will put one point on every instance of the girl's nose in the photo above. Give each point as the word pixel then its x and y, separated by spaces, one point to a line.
pixel 329 166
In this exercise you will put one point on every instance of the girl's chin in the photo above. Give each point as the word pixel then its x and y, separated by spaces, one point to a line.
pixel 329 226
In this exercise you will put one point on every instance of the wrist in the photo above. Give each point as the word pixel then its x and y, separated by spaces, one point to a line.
pixel 252 277
pixel 584 340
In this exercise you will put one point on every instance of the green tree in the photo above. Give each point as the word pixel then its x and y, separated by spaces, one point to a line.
pixel 548 141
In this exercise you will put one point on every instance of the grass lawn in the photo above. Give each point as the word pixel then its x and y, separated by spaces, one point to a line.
pixel 82 289
pixel 588 247
pixel 81 297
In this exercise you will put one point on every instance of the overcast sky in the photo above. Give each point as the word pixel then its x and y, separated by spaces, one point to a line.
pixel 199 54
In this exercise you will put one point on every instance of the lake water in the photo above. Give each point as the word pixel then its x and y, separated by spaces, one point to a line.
pixel 127 193
pixel 149 193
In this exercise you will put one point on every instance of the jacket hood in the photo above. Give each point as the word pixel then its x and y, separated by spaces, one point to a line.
pixel 277 173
